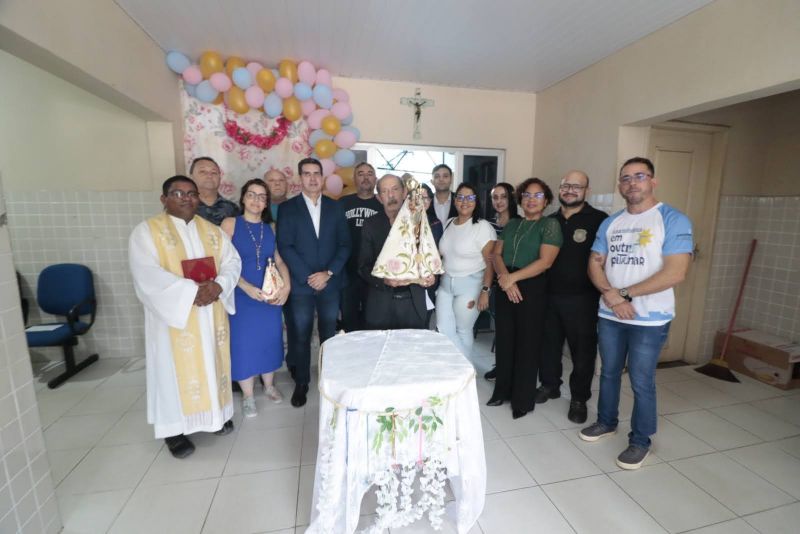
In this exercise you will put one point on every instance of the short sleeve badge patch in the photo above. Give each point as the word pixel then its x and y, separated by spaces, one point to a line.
pixel 579 235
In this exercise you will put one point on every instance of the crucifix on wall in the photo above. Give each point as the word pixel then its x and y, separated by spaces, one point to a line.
pixel 417 102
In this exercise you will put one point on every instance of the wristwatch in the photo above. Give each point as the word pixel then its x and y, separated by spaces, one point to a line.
pixel 624 294
pixel 330 273
pixel 486 289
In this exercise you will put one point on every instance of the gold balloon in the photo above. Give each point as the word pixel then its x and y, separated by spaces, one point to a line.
pixel 331 125
pixel 265 80
pixel 220 99
pixel 325 148
pixel 288 69
pixel 349 190
pixel 233 63
pixel 292 109
pixel 210 62
pixel 346 174
pixel 237 101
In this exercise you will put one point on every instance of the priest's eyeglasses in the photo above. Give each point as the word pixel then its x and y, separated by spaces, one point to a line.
pixel 466 198
pixel 637 177
pixel 575 187
pixel 261 197
pixel 180 194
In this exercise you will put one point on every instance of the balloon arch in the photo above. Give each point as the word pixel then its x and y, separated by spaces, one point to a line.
pixel 293 92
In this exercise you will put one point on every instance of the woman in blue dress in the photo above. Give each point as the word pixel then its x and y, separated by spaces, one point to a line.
pixel 256 328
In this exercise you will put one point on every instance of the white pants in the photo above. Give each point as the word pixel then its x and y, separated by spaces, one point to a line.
pixel 453 318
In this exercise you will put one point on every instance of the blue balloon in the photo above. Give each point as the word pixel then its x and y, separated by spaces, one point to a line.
pixel 206 93
pixel 317 136
pixel 302 91
pixel 347 120
pixel 353 129
pixel 177 62
pixel 191 90
pixel 273 105
pixel 242 78
pixel 344 157
pixel 323 96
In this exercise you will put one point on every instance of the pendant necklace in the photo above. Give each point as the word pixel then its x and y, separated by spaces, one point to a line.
pixel 257 245
pixel 518 238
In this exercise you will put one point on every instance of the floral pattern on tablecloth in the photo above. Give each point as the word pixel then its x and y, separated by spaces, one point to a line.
pixel 204 135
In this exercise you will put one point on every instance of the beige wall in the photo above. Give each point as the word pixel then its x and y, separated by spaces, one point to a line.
pixel 96 46
pixel 460 118
pixel 56 136
pixel 763 147
pixel 727 52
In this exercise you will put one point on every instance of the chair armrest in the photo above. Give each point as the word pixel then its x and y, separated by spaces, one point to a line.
pixel 74 315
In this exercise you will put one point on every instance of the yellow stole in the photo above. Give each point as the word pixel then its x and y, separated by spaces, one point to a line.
pixel 187 346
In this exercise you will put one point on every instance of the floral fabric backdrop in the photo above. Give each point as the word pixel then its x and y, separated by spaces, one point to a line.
pixel 205 135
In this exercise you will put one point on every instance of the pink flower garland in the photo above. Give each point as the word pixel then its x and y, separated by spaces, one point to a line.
pixel 264 142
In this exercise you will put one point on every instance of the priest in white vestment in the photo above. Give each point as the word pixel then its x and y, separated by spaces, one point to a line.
pixel 186 322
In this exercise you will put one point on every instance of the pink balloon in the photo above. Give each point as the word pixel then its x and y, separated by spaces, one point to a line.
pixel 324 77
pixel 254 67
pixel 340 95
pixel 315 118
pixel 284 87
pixel 306 73
pixel 254 95
pixel 328 166
pixel 341 110
pixel 308 107
pixel 345 139
pixel 334 185
pixel 220 81
pixel 192 75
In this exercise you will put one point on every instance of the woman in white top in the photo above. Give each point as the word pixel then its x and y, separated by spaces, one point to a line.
pixel 463 292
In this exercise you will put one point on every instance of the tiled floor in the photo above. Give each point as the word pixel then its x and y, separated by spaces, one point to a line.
pixel 726 460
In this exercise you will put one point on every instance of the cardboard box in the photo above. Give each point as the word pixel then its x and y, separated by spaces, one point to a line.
pixel 765 357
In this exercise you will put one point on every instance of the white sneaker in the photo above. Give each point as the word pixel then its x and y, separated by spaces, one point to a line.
pixel 249 407
pixel 273 394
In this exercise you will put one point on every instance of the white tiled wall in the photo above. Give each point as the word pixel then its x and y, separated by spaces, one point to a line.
pixel 772 296
pixel 27 500
pixel 91 228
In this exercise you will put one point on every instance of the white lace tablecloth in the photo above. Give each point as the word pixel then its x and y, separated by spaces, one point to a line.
pixel 398 410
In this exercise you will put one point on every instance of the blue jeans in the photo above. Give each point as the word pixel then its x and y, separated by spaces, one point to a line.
pixel 453 316
pixel 640 345
pixel 301 309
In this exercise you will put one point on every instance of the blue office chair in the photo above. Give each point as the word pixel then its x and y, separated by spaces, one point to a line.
pixel 65 289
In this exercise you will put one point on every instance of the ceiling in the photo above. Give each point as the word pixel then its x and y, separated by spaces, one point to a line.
pixel 516 45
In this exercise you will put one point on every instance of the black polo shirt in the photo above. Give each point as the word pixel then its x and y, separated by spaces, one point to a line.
pixel 568 274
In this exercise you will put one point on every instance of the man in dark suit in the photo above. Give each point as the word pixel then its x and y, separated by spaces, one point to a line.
pixel 314 241
pixel 390 303
pixel 443 205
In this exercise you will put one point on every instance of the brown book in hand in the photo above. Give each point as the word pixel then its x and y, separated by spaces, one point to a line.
pixel 200 269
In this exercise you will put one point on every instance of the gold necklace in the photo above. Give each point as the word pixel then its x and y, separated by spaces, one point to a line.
pixel 517 239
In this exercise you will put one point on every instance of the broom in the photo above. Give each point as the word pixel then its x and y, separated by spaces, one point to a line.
pixel 718 367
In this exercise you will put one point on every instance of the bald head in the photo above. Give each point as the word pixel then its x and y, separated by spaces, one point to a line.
pixel 278 185
pixel 573 189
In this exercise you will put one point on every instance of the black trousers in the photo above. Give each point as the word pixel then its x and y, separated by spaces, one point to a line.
pixel 389 310
pixel 519 337
pixel 574 318
pixel 354 302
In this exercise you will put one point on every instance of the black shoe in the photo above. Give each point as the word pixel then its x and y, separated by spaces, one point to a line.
pixel 516 414
pixel 179 446
pixel 545 393
pixel 494 401
pixel 226 429
pixel 299 395
pixel 491 376
pixel 577 412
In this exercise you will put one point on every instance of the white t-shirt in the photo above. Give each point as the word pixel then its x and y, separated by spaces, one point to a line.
pixel 634 246
pixel 461 246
